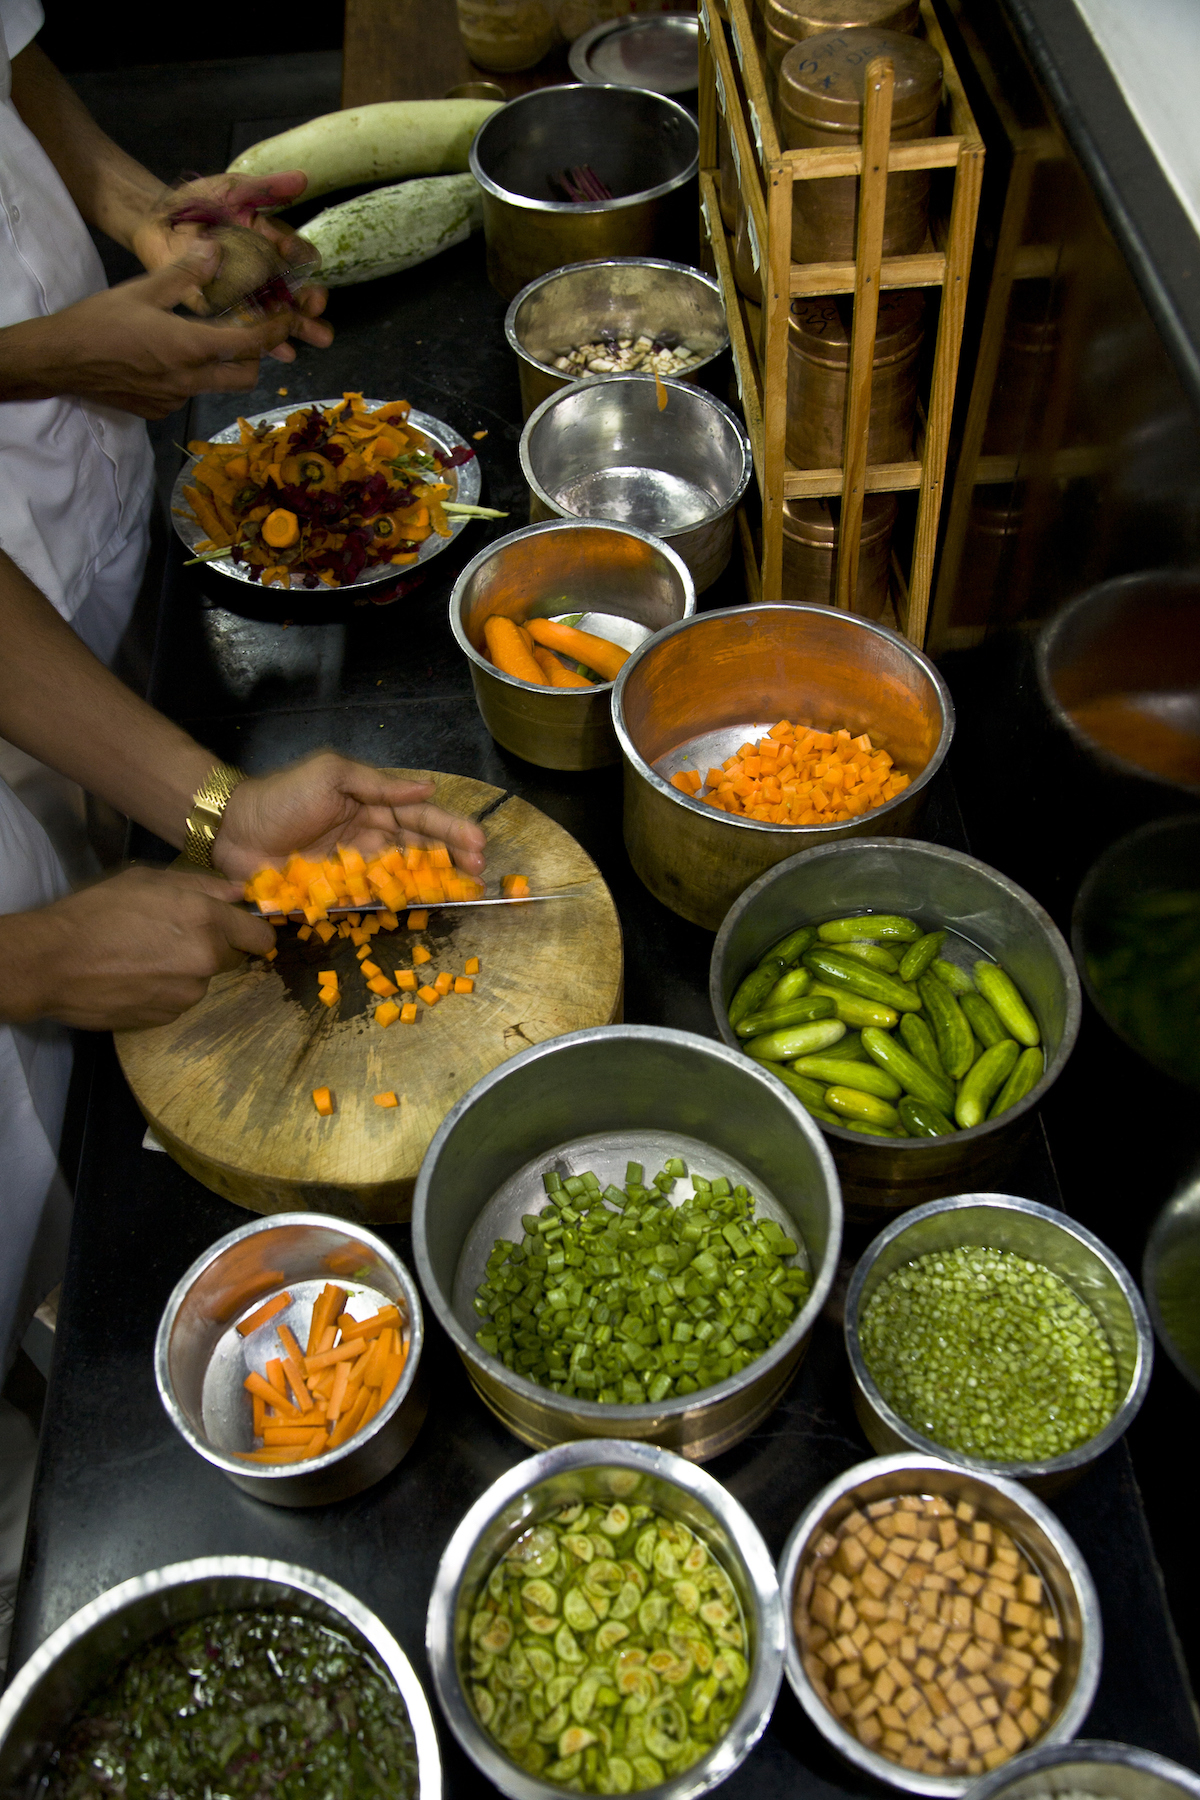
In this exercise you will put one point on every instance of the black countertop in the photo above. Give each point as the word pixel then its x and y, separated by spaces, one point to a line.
pixel 117 1490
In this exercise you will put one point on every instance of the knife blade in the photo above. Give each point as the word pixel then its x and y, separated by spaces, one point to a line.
pixel 337 912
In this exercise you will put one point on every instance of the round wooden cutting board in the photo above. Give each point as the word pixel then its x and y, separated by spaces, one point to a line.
pixel 228 1086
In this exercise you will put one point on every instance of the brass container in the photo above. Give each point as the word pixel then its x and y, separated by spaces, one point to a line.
pixel 691 695
pixel 745 272
pixel 810 542
pixel 645 147
pixel 821 103
pixel 818 371
pixel 788 22
pixel 506 35
pixel 727 191
pixel 597 1099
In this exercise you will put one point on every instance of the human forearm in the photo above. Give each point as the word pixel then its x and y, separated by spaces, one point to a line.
pixel 58 703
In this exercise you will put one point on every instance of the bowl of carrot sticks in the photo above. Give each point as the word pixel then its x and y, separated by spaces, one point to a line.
pixel 547 618
pixel 288 1356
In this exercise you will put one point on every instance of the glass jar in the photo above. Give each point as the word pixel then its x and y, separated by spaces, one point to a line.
pixel 507 35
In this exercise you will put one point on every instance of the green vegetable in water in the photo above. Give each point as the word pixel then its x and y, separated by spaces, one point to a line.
pixel 989 1354
pixel 616 1295
pixel 608 1651
pixel 242 1704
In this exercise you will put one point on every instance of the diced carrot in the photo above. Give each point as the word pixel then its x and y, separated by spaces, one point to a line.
pixel 405 978
pixel 323 1099
pixel 514 887
pixel 266 1311
pixel 304 933
pixel 363 951
pixel 328 996
pixel 271 955
pixel 382 986
pixel 429 995
pixel 408 1014
pixel 471 966
pixel 444 982
pixel 463 984
pixel 327 977
pixel 387 1014
pixel 325 930
pixel 388 921
pixel 421 954
pixel 417 921
pixel 388 1099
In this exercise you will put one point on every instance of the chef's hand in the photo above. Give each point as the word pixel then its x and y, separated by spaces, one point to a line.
pixel 157 241
pixel 136 949
pixel 126 348
pixel 327 800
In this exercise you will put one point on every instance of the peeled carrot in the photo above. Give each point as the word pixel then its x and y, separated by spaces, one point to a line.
pixel 266 1311
pixel 557 674
pixel 368 1328
pixel 509 651
pixel 256 1385
pixel 597 652
pixel 327 1359
pixel 327 1306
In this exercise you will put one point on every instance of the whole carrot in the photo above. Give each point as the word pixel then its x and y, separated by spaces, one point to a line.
pixel 556 673
pixel 598 653
pixel 509 652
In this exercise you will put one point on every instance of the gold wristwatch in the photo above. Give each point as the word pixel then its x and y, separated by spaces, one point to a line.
pixel 208 808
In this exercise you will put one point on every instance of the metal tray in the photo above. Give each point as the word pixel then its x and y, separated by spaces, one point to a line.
pixel 658 51
pixel 441 436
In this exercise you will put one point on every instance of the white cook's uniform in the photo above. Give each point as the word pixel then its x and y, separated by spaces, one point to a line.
pixel 76 482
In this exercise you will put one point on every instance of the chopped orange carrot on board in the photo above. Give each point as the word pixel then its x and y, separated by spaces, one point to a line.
pixel 444 982
pixel 325 930
pixel 388 921
pixel 369 969
pixel 380 985
pixel 271 955
pixel 327 977
pixel 471 965
pixel 304 933
pixel 266 1311
pixel 514 887
pixel 328 996
pixel 421 954
pixel 387 1014
pixel 429 995
pixel 408 1013
pixel 363 951
pixel 463 984
pixel 388 1099
pixel 405 978
pixel 323 1101
pixel 417 921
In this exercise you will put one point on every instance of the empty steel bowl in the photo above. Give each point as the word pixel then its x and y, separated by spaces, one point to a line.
pixel 698 691
pixel 618 297
pixel 1089 1766
pixel 1002 1222
pixel 643 147
pixel 604 448
pixel 597 1100
pixel 604 1470
pixel 542 572
pixel 201 1360
pixel 82 1656
pixel 1039 1535
pixel 987 915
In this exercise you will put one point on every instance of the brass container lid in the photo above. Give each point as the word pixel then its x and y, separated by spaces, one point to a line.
pixel 821 80
pixel 799 19
pixel 815 523
pixel 819 328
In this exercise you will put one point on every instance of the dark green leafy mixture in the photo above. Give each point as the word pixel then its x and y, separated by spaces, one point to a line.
pixel 241 1706
pixel 616 1295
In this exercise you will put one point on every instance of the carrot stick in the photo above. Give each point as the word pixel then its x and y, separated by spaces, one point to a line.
pixel 362 1328
pixel 349 1422
pixel 260 1413
pixel 509 651
pixel 597 652
pixel 256 1385
pixel 267 1311
pixel 276 1453
pixel 291 1347
pixel 296 1382
pixel 328 1358
pixel 392 1371
pixel 328 1305
pixel 287 1434
pixel 340 1379
pixel 328 1339
pixel 556 673
pixel 276 1377
pixel 373 1372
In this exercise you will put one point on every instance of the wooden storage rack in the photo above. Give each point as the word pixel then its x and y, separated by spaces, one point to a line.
pixel 732 83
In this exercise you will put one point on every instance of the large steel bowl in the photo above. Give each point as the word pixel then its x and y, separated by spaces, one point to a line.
pixel 691 697
pixel 83 1654
pixel 1089 1766
pixel 201 1360
pixel 605 448
pixel 605 1470
pixel 644 147
pixel 937 887
pixel 1171 1278
pixel 598 1099
pixel 1002 1222
pixel 542 572
pixel 1039 1534
pixel 619 296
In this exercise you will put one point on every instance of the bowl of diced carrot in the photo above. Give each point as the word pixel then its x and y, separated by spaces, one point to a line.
pixel 547 618
pixel 753 733
pixel 288 1356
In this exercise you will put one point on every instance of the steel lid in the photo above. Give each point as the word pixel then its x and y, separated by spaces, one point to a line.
pixel 798 19
pixel 816 523
pixel 658 51
pixel 819 327
pixel 821 80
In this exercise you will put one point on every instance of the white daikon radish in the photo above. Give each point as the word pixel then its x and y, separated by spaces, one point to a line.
pixel 384 142
pixel 394 228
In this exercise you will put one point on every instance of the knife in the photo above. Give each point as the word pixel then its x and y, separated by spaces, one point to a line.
pixel 375 906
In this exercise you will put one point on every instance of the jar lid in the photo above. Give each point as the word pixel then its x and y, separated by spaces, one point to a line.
pixel 821 80
pixel 819 328
pixel 815 522
pixel 798 19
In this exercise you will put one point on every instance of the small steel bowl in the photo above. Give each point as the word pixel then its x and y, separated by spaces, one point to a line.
pixel 700 689
pixel 1039 1534
pixel 1105 1771
pixel 621 296
pixel 1002 1222
pixel 937 887
pixel 201 1361
pixel 1171 1278
pixel 605 1469
pixel 541 572
pixel 82 1655
pixel 603 448
pixel 599 1099
pixel 644 147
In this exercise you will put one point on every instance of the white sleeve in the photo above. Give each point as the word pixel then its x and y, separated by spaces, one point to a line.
pixel 20 22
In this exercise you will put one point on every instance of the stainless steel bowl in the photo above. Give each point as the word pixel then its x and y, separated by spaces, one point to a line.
pixel 605 1469
pixel 201 1361
pixel 1106 1771
pixel 1040 1536
pixel 603 448
pixel 988 915
pixel 599 1099
pixel 620 296
pixel 659 52
pixel 544 571
pixel 1171 1278
pixel 1003 1222
pixel 81 1656
pixel 690 698
pixel 644 147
